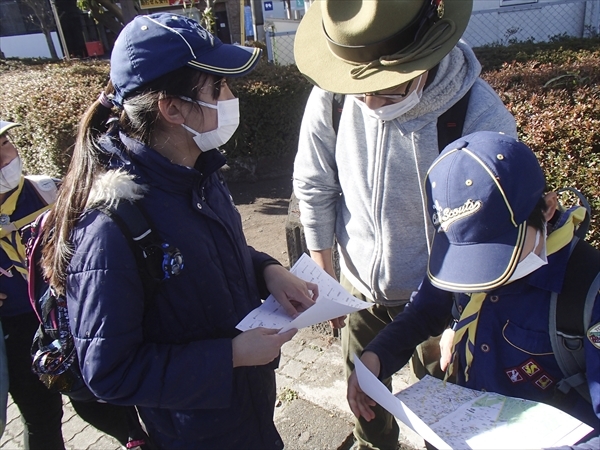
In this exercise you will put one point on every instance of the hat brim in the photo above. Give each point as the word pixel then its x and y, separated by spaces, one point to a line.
pixel 5 126
pixel 475 267
pixel 228 60
pixel 324 69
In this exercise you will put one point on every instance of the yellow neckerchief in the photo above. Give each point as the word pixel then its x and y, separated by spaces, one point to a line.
pixel 467 323
pixel 10 238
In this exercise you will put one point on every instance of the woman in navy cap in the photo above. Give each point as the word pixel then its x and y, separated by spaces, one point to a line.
pixel 196 380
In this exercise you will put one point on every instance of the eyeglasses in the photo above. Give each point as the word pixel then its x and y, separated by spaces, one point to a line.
pixel 396 97
pixel 199 102
pixel 216 87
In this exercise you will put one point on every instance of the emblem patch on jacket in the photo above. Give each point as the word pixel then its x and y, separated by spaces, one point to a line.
pixel 530 368
pixel 544 382
pixel 514 375
pixel 593 335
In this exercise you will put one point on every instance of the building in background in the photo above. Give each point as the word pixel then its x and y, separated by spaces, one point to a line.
pixel 498 22
pixel 21 34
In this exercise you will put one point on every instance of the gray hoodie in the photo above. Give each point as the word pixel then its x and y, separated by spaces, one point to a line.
pixel 365 188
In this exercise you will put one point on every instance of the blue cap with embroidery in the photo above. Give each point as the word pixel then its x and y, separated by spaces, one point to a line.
pixel 480 191
pixel 5 126
pixel 152 46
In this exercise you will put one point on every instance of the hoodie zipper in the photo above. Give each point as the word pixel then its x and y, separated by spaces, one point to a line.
pixel 376 208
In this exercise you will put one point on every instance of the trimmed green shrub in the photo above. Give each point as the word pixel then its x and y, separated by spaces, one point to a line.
pixel 272 100
pixel 48 99
pixel 553 92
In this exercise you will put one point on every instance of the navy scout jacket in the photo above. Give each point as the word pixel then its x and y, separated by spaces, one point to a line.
pixel 172 357
pixel 512 354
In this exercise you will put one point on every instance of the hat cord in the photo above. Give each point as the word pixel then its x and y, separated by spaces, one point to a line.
pixel 433 39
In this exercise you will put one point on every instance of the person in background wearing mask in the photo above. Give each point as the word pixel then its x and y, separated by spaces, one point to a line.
pixel 503 244
pixel 152 137
pixel 402 66
pixel 22 199
pixel 20 204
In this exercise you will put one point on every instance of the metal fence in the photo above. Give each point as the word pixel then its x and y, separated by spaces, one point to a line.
pixel 280 47
pixel 535 22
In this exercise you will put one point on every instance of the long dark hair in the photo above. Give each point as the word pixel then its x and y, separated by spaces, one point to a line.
pixel 138 120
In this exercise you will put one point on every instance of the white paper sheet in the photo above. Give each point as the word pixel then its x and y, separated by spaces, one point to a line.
pixel 333 301
pixel 375 389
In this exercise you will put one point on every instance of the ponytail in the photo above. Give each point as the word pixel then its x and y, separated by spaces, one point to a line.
pixel 72 198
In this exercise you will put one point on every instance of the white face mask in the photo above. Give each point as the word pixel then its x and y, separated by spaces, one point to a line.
pixel 10 175
pixel 228 116
pixel 395 110
pixel 531 262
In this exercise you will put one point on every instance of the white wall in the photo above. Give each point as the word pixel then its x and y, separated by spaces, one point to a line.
pixel 29 46
pixel 282 25
pixel 492 4
pixel 282 47
pixel 538 21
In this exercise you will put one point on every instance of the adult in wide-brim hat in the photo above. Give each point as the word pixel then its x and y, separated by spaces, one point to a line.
pixel 354 46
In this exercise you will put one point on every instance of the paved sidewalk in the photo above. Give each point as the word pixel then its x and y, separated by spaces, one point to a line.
pixel 311 414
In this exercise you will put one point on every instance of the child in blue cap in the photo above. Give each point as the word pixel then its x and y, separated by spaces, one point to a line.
pixel 152 137
pixel 493 245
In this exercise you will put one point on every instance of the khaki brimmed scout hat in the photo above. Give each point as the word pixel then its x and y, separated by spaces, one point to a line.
pixel 353 47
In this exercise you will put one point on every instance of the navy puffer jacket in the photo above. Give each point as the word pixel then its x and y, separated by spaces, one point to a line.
pixel 172 357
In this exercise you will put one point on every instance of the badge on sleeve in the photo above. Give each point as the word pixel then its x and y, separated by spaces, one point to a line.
pixel 593 335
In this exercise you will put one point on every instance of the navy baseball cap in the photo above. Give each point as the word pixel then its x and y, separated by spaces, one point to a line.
pixel 154 45
pixel 5 126
pixel 480 191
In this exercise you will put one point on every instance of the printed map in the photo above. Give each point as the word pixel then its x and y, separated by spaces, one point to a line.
pixel 465 419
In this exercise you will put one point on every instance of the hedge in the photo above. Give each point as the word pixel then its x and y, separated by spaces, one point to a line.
pixel 551 88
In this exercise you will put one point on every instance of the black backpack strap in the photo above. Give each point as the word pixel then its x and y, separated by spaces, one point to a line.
pixel 450 124
pixel 156 259
pixel 570 315
pixel 337 104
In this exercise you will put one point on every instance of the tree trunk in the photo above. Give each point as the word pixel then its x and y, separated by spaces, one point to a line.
pixel 112 10
pixel 129 10
pixel 51 47
pixel 106 19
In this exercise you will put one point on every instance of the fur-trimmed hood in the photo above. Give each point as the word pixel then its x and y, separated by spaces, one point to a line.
pixel 113 186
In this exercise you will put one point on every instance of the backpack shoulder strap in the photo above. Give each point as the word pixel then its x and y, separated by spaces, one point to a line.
pixel 451 123
pixel 35 280
pixel 157 260
pixel 337 104
pixel 570 315
pixel 140 235
pixel 45 186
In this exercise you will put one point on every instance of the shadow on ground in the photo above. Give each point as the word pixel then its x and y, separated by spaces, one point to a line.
pixel 277 190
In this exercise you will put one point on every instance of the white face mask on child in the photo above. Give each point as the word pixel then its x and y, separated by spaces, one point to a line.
pixel 228 116
pixel 10 175
pixel 532 262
